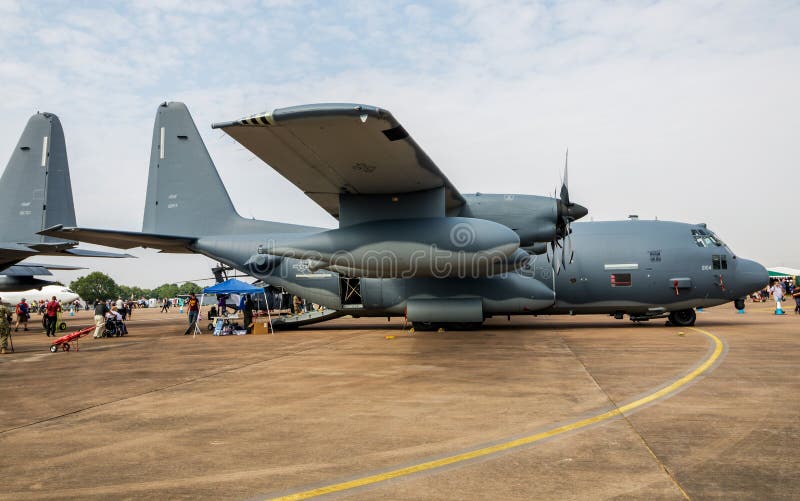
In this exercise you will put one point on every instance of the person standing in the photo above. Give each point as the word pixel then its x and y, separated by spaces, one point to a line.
pixel 100 310
pixel 193 305
pixel 23 313
pixel 777 294
pixel 51 316
pixel 247 310
pixel 5 328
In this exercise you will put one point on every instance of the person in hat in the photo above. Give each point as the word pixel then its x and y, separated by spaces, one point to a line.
pixel 23 314
pixel 100 310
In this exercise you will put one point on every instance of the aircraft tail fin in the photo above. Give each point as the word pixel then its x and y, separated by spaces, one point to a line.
pixel 35 189
pixel 185 195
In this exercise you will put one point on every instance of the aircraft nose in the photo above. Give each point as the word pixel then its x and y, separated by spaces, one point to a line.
pixel 750 277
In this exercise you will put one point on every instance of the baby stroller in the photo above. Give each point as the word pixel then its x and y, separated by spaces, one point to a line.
pixel 115 328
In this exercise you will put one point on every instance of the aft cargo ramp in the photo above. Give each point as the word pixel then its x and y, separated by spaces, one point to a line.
pixel 307 318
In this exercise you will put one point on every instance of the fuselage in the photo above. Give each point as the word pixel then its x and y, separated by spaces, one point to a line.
pixel 647 267
pixel 63 294
pixel 641 268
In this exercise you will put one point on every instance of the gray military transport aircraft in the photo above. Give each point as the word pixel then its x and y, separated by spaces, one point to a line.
pixel 408 242
pixel 36 193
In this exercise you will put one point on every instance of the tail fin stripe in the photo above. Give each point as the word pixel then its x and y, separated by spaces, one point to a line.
pixel 44 151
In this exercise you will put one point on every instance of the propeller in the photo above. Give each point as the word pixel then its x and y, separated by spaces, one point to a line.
pixel 567 212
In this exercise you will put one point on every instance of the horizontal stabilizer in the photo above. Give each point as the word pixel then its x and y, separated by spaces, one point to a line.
pixel 93 253
pixel 25 271
pixel 124 239
pixel 7 247
pixel 12 253
pixel 52 247
pixel 64 267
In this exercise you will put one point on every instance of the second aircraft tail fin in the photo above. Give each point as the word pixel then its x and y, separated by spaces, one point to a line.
pixel 35 189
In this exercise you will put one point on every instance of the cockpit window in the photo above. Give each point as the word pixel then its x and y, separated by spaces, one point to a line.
pixel 704 238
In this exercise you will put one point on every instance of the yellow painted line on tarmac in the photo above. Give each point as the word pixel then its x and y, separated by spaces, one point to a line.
pixel 505 446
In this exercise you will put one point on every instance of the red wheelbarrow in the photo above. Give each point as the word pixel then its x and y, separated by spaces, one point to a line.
pixel 63 341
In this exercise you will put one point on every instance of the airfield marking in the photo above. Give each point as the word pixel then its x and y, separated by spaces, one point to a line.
pixel 667 391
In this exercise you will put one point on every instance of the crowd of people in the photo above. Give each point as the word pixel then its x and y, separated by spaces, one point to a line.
pixel 22 311
pixel 110 315
pixel 779 290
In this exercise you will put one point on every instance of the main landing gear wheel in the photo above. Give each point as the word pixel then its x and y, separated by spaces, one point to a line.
pixel 53 348
pixel 62 326
pixel 683 318
pixel 66 347
pixel 210 327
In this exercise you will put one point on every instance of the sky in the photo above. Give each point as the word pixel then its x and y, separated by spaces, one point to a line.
pixel 685 111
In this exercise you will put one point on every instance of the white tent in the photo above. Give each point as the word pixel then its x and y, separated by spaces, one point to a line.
pixel 783 271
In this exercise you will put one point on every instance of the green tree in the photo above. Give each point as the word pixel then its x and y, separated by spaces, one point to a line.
pixel 189 287
pixel 95 286
pixel 166 290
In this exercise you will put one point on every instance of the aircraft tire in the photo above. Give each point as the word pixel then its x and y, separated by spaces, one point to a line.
pixel 683 318
pixel 53 348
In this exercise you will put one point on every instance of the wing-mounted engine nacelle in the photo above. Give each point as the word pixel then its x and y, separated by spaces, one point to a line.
pixel 534 218
pixel 441 247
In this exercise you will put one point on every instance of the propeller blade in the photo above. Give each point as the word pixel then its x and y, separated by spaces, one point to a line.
pixel 571 249
pixel 565 182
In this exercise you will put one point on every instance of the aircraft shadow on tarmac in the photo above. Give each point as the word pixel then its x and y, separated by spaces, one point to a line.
pixel 501 325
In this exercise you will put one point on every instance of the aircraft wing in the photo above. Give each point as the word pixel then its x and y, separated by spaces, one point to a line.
pixel 330 149
pixel 124 239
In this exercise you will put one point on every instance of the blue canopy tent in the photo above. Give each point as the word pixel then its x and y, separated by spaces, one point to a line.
pixel 234 286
